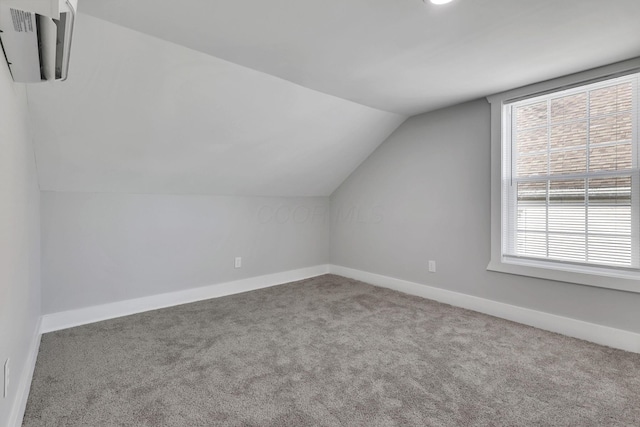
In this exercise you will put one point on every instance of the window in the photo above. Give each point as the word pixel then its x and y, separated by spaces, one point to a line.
pixel 571 185
pixel 566 179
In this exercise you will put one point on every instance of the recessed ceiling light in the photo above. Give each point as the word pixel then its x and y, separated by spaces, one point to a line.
pixel 440 1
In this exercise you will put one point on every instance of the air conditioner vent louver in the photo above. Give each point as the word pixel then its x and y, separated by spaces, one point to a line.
pixel 36 46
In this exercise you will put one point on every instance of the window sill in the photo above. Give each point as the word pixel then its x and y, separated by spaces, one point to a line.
pixel 609 279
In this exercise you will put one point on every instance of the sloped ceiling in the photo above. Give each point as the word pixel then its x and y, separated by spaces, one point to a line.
pixel 404 56
pixel 288 97
pixel 141 115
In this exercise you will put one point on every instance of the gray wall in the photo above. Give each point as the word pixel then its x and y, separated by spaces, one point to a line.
pixel 425 194
pixel 19 236
pixel 102 248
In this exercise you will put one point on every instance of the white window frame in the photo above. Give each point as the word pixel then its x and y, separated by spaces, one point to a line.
pixel 612 278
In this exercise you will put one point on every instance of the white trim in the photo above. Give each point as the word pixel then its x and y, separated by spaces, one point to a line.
pixel 497 127
pixel 82 316
pixel 24 385
pixel 569 81
pixel 599 334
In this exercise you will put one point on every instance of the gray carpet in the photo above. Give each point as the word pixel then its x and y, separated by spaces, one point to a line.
pixel 327 351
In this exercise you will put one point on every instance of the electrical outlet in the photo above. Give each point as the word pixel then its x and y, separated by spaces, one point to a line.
pixel 6 379
pixel 432 266
pixel 238 262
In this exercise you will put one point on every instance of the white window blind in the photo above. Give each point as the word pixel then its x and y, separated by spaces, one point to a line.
pixel 571 182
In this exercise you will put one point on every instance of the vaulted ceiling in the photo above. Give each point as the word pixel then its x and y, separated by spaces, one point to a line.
pixel 404 56
pixel 141 115
pixel 288 97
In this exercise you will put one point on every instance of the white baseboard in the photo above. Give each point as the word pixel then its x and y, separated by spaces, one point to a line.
pixel 604 335
pixel 24 382
pixel 599 334
pixel 82 316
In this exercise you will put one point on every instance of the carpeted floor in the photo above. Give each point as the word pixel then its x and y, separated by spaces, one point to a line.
pixel 327 351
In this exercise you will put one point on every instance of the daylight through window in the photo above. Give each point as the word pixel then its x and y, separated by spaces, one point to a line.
pixel 570 177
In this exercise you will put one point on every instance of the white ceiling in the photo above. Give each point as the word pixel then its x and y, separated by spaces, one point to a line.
pixel 140 115
pixel 288 97
pixel 403 56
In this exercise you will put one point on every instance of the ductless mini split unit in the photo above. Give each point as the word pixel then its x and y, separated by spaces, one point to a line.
pixel 36 38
